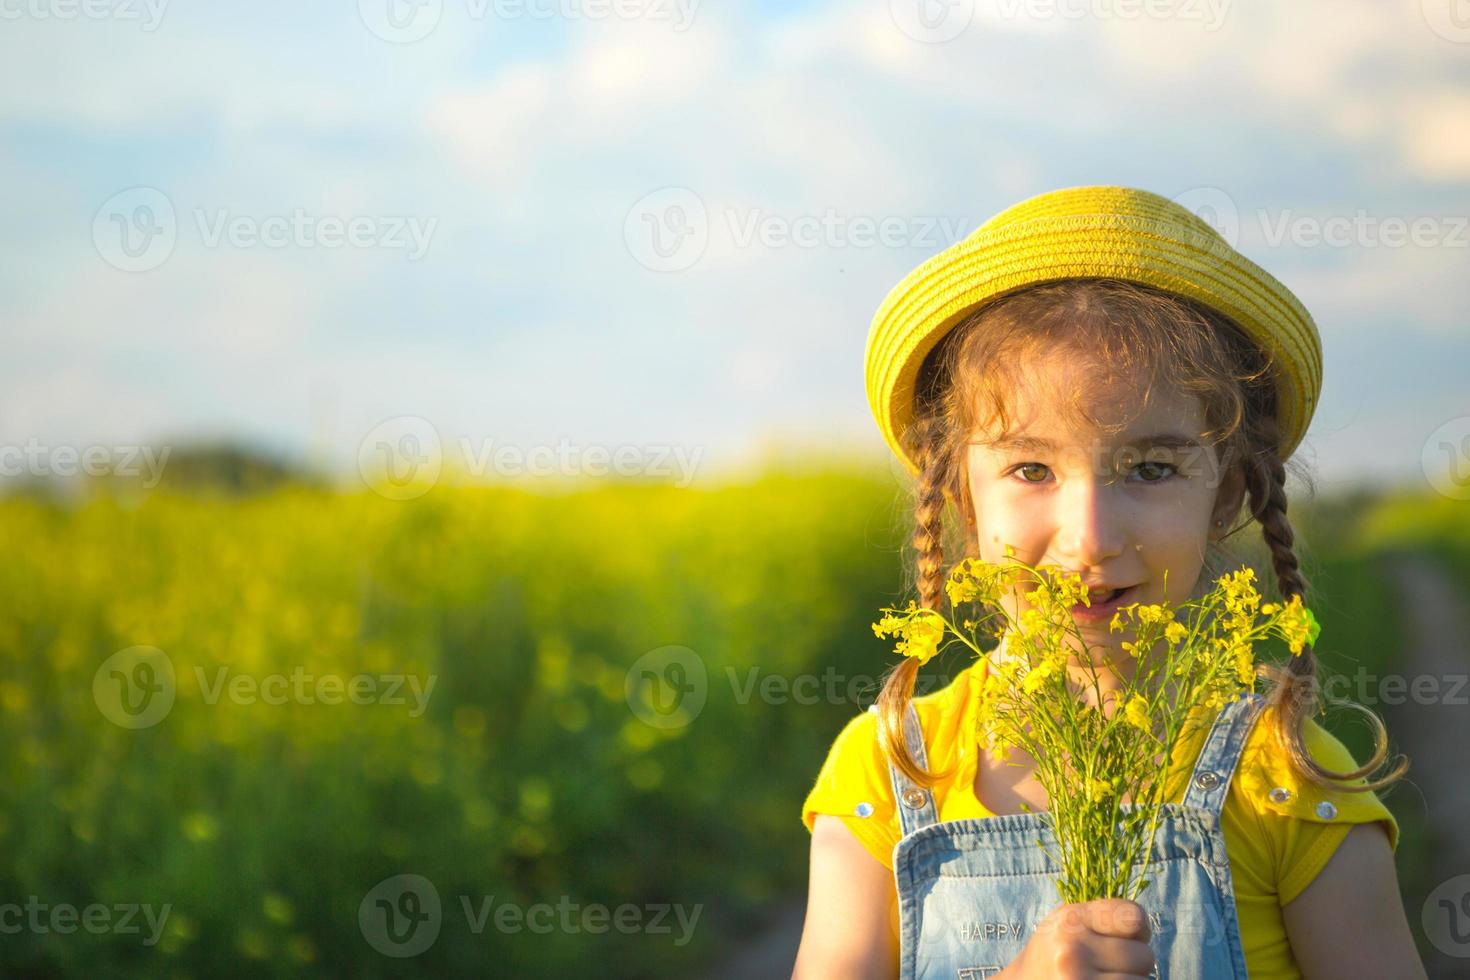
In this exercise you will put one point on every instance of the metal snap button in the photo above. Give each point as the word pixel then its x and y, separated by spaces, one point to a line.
pixel 864 809
pixel 1326 810
pixel 913 798
pixel 1280 795
pixel 1208 779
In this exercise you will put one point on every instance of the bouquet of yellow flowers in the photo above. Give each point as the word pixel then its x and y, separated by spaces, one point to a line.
pixel 1093 752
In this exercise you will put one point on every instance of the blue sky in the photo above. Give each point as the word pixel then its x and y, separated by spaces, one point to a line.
pixel 536 144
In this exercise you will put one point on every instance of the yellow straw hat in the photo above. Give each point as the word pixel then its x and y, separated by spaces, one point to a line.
pixel 1094 231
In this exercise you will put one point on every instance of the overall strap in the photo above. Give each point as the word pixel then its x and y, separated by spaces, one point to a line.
pixel 1210 782
pixel 914 803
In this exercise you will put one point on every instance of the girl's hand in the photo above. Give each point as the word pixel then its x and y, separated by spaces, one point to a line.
pixel 1107 937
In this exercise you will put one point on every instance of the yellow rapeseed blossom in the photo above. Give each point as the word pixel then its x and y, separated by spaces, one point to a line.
pixel 1298 625
pixel 1135 712
pixel 1152 614
pixel 919 631
pixel 1029 698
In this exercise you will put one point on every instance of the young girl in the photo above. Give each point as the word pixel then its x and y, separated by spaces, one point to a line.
pixel 1097 380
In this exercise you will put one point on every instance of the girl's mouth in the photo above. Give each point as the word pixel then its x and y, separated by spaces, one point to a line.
pixel 1103 605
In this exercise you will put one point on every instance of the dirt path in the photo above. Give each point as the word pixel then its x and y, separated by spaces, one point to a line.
pixel 1436 737
pixel 771 953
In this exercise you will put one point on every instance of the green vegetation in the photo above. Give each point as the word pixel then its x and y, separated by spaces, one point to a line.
pixel 521 777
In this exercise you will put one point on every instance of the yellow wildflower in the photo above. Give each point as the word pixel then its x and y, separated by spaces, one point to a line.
pixel 1152 614
pixel 1245 666
pixel 1297 624
pixel 1175 633
pixel 1037 676
pixel 1136 713
pixel 920 631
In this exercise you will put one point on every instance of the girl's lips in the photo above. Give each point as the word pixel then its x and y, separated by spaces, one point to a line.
pixel 1102 611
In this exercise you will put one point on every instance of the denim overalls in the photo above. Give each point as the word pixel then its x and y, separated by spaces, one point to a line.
pixel 970 891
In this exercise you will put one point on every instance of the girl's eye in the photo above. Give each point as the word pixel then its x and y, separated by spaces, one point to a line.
pixel 1028 466
pixel 1159 466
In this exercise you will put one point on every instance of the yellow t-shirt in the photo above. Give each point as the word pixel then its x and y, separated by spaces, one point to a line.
pixel 1275 849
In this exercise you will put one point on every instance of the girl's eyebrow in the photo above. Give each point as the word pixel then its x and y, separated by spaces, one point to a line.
pixel 1024 443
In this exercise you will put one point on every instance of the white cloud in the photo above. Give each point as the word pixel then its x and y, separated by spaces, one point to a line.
pixel 1436 134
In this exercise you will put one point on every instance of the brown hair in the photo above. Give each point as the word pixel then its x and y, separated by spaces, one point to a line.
pixel 1134 332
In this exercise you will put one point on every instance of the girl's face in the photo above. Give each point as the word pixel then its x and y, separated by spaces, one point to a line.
pixel 1117 507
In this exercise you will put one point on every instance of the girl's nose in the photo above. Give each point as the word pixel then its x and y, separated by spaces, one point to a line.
pixel 1091 528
